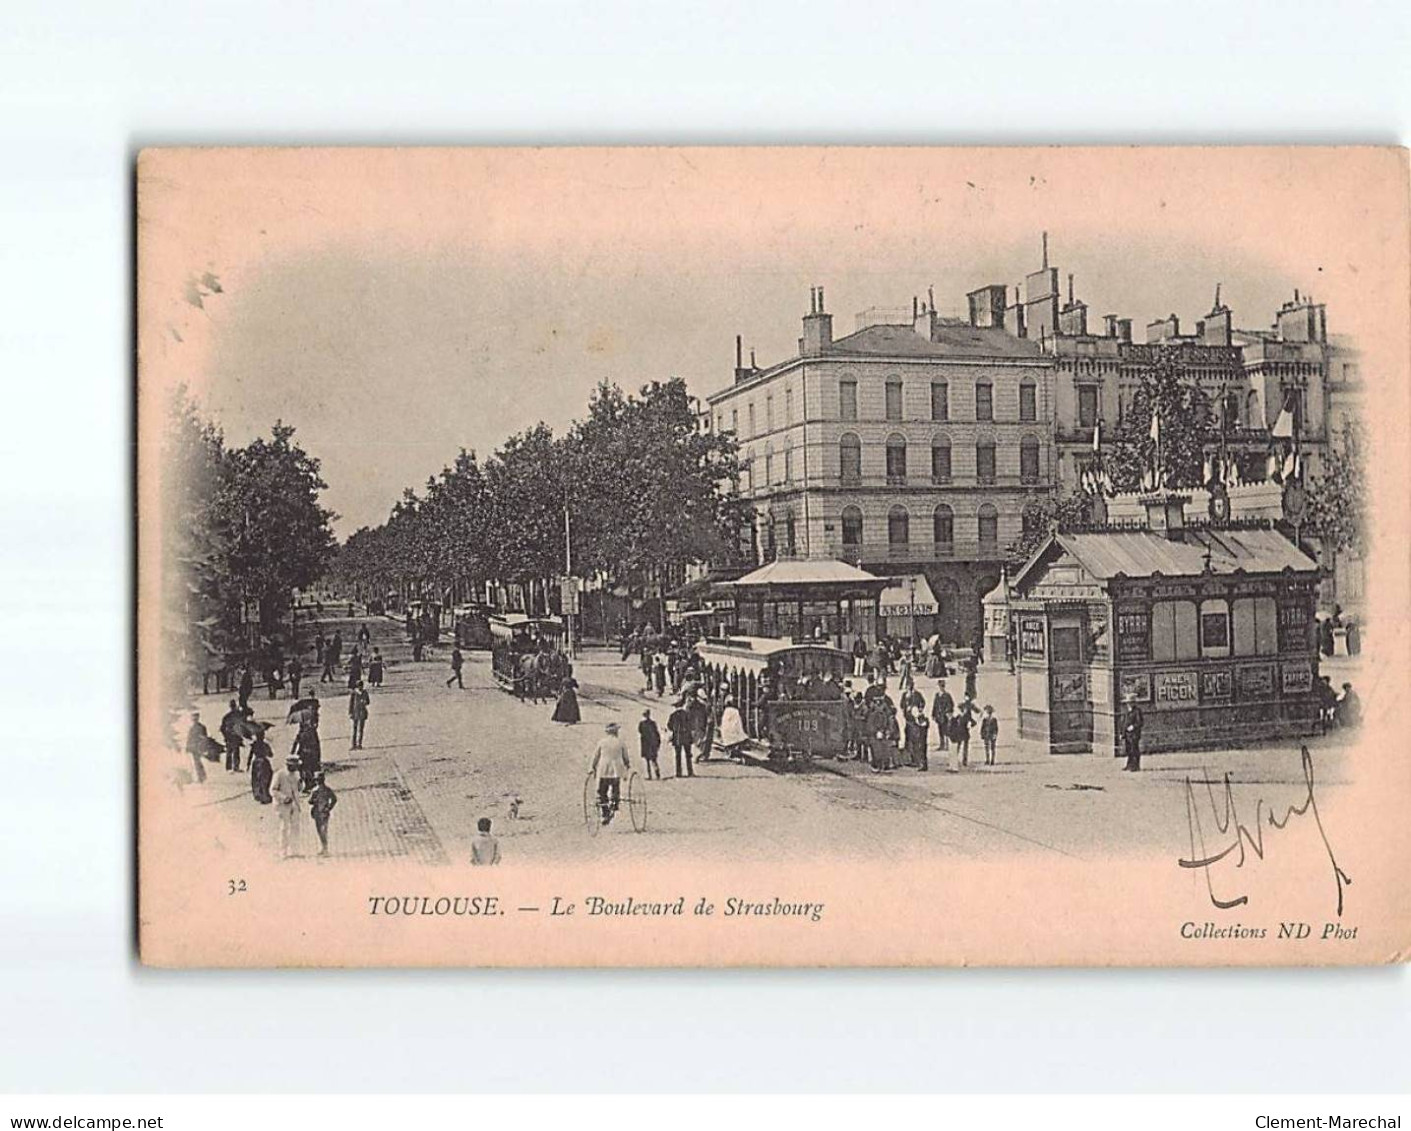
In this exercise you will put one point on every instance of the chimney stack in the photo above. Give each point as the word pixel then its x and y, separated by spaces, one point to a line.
pixel 817 328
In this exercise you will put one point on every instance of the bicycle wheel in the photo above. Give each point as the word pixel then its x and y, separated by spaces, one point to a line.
pixel 637 802
pixel 591 817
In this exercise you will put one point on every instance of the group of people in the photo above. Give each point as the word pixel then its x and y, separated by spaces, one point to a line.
pixel 363 660
pixel 1328 628
pixel 1337 709
pixel 885 734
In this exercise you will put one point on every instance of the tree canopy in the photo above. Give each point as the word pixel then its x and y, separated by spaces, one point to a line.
pixel 1187 427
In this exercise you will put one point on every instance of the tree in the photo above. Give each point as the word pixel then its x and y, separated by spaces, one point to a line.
pixel 279 538
pixel 197 625
pixel 1187 425
pixel 1045 515
pixel 1337 497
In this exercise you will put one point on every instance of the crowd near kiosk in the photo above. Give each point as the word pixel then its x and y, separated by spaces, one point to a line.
pixel 1208 628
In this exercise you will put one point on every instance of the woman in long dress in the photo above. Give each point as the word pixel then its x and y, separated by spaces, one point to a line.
pixel 732 730
pixel 566 709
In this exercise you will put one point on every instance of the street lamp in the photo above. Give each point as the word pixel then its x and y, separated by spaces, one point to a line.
pixel 911 593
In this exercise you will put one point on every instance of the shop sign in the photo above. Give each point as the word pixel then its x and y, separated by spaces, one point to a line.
pixel 1031 636
pixel 1175 689
pixel 1136 687
pixel 1256 681
pixel 1298 678
pixel 1133 634
pixel 1216 686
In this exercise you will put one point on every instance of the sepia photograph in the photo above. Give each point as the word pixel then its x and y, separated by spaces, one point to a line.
pixel 751 556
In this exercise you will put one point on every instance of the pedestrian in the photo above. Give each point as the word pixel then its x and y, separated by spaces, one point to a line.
pixel 659 673
pixel 566 709
pixel 971 667
pixel 285 791
pixel 358 700
pixel 198 742
pixel 650 742
pixel 274 677
pixel 364 638
pixel 609 765
pixel 960 733
pixel 374 669
pixel 335 647
pixel 355 668
pixel 698 706
pixel 1353 638
pixel 261 769
pixel 484 849
pixel 232 730
pixel 295 671
pixel 246 685
pixel 645 662
pixel 1327 703
pixel 989 734
pixel 916 727
pixel 320 647
pixel 882 728
pixel 1348 710
pixel 678 725
pixel 307 750
pixel 321 803
pixel 942 706
pixel 456 661
pixel 1132 737
pixel 1325 636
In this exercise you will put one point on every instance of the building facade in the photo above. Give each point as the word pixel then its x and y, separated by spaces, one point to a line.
pixel 910 449
pixel 921 447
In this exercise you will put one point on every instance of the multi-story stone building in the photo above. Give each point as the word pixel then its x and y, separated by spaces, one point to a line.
pixel 921 447
pixel 911 448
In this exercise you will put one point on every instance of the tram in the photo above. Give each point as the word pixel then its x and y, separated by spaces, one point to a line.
pixel 790 696
pixel 526 654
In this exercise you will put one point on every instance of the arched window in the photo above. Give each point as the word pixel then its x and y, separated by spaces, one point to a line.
pixel 896 459
pixel 1231 410
pixel 985 461
pixel 1251 410
pixel 1029 459
pixel 943 528
pixel 768 464
pixel 790 544
pixel 898 528
pixel 988 520
pixel 940 459
pixel 850 458
pixel 852 526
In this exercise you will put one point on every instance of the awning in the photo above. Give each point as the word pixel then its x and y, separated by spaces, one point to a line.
pixel 897 599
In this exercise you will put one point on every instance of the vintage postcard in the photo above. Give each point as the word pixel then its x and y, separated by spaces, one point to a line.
pixel 786 557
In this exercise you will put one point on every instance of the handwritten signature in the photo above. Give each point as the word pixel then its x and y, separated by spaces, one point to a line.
pixel 1250 838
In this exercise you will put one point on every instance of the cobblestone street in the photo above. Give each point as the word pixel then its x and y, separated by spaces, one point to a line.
pixel 438 758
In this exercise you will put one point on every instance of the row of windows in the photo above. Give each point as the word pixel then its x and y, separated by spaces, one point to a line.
pixel 850 459
pixel 940 400
pixel 750 419
pixel 942 525
pixel 1214 629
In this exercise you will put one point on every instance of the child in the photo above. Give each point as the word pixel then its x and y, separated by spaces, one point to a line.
pixel 989 734
pixel 484 849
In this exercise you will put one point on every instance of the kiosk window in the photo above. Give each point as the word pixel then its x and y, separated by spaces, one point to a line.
pixel 1173 631
pixel 1215 629
pixel 1255 626
pixel 1065 640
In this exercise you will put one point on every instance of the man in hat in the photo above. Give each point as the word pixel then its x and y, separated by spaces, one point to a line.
pixel 678 725
pixel 232 729
pixel 609 766
pixel 295 671
pixel 1132 736
pixel 650 739
pixel 198 741
pixel 358 700
pixel 308 750
pixel 285 791
pixel 321 803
